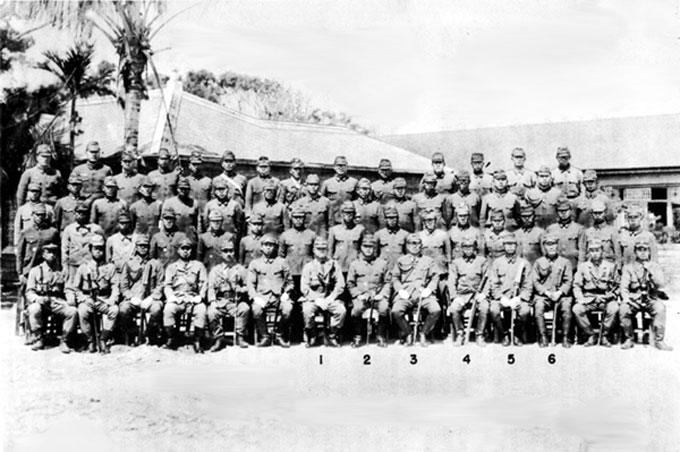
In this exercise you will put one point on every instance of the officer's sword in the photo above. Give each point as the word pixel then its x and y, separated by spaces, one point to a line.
pixel 554 325
pixel 473 309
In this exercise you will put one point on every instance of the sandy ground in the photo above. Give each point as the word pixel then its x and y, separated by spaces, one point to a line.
pixel 280 400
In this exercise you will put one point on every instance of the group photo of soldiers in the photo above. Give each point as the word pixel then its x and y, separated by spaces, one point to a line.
pixel 173 257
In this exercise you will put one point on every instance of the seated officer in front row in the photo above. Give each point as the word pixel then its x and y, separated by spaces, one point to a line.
pixel 641 282
pixel 45 294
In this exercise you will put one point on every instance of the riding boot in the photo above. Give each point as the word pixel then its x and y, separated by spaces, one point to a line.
pixel 104 341
pixel 170 343
pixel 198 340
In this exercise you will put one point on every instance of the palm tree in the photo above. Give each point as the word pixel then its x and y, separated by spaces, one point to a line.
pixel 73 69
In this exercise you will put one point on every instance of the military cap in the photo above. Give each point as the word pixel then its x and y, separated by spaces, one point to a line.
pixel 183 183
pixel 215 215
pixel 74 179
pixel 634 210
pixel 429 178
pixel 563 204
pixel 163 152
pixel 313 179
pixel 594 244
pixel 462 209
pixel 550 239
pixel 438 157
pixel 468 241
pixel 263 160
pixel 92 146
pixel 43 149
pixel 477 157
pixel 169 212
pixel 518 152
pixel 340 160
pixel 97 241
pixel 83 207
pixel 589 175
pixel 228 155
pixel 385 163
pixel 142 239
pixel 499 174
pixel 269 238
pixel 598 206
pixel 34 186
pixel 220 183
pixel 497 214
pixel 298 211
pixel 563 151
pixel 256 218
pixel 124 217
pixel 429 214
pixel 184 241
pixel 533 197
pixel 227 243
pixel 413 238
pixel 147 182
pixel 526 209
pixel 399 182
pixel 391 212
pixel 364 183
pixel 292 189
pixel 39 209
pixel 348 206
pixel 368 240
pixel 297 163
pixel 270 185
pixel 641 243
pixel 509 237
pixel 572 190
pixel 543 169
pixel 320 242
pixel 128 155
pixel 196 157
pixel 50 246
pixel 464 175
pixel 109 181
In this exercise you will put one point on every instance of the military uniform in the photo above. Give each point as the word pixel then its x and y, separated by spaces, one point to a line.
pixel 627 240
pixel 92 177
pixel 493 244
pixel 74 243
pixel 146 216
pixel 250 248
pixel 368 215
pixel 23 218
pixel 232 214
pixel 338 190
pixel 296 247
pixel 609 238
pixel 236 185
pixel 407 210
pixel 208 250
pixel 568 175
pixel 275 216
pixel 458 234
pixel 128 186
pixel 595 287
pixel 436 245
pixel 185 280
pixel 228 296
pixel 569 236
pixel 65 211
pixel 471 199
pixel 506 282
pixel 507 202
pixel 391 245
pixel 290 184
pixel 544 203
pixel 523 178
pixel 164 245
pixel 105 213
pixel 30 244
pixel 369 282
pixel 427 203
pixel 317 211
pixel 550 275
pixel 200 190
pixel 343 243
pixel 481 183
pixel 49 181
pixel 119 249
pixel 255 190
pixel 269 279
pixel 321 285
pixel 383 190
pixel 465 277
pixel 583 206
pixel 165 183
pixel 529 243
pixel 187 216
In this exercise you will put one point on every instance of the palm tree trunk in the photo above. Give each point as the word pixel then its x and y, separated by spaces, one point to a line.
pixel 133 100
pixel 73 124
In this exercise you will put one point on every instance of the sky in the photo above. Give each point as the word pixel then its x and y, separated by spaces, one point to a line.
pixel 408 66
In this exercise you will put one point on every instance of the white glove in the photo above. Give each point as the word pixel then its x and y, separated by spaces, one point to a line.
pixel 285 297
pixel 363 297
pixel 555 295
pixel 426 292
pixel 378 297
pixel 196 299
pixel 514 302
pixel 261 302
pixel 322 303
pixel 505 302
pixel 403 294
pixel 480 297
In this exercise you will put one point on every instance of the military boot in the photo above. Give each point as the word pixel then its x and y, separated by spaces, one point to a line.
pixel 63 346
pixel 592 340
pixel 543 341
pixel 266 341
pixel 241 341
pixel 458 340
pixel 39 343
pixel 381 341
pixel 506 341
pixel 480 341
pixel 356 343
pixel 605 341
pixel 310 338
pixel 104 342
pixel 333 339
pixel 422 338
pixel 279 339
pixel 627 344
pixel 566 343
pixel 661 345
pixel 198 340
pixel 218 344
pixel 170 343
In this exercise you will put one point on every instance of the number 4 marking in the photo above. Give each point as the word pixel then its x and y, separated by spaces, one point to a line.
pixel 466 359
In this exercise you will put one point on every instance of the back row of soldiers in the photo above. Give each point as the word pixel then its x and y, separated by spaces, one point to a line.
pixel 451 214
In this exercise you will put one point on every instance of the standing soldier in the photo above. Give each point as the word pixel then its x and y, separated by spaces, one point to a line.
pixel 369 284
pixel 552 279
pixel 543 198
pixel 65 208
pixel 565 173
pixel 256 185
pixel 294 182
pixel 445 180
pixel 596 285
pixel 316 206
pixel 321 285
pixel 236 183
pixel 120 246
pixel 92 173
pixel 634 232
pixel 344 238
pixel 414 280
pixel 368 210
pixel 510 288
pixel 164 242
pixel 228 296
pixel 146 212
pixel 591 193
pixel 75 239
pixel 23 218
pixel 105 211
pixel 273 212
pixel 32 239
pixel 185 288
pixel 295 245
pixel 391 240
pixel 601 231
pixel 141 287
pixel 96 290
pixel 338 189
pixel 464 196
pixel 231 210
pixel 569 233
pixel 529 236
pixel 493 236
pixel 428 200
pixel 270 286
pixel 44 174
pixel 200 185
pixel 384 185
pixel 186 209
pixel 641 282
pixel 437 246
pixel 208 251
pixel 165 178
pixel 520 179
pixel 461 230
pixel 45 294
pixel 466 274
pixel 406 208
pixel 500 199
pixel 250 247
pixel 129 180
pixel 481 181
